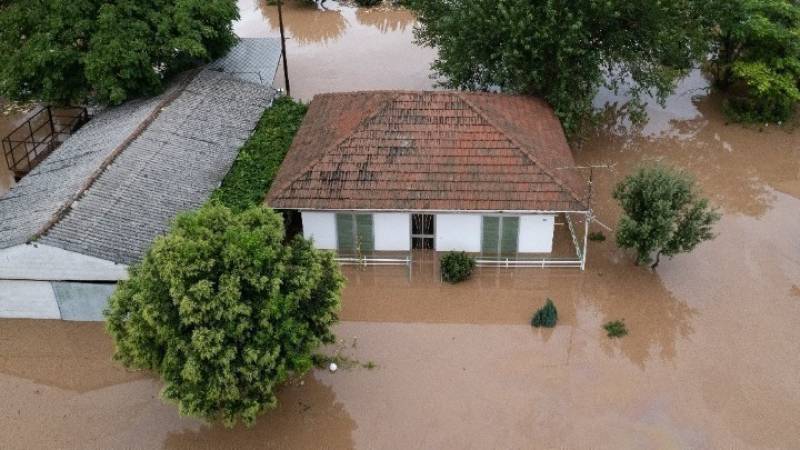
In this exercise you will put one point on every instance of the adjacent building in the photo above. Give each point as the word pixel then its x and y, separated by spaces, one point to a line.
pixel 95 204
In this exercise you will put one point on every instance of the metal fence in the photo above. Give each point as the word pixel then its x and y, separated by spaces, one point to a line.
pixel 31 142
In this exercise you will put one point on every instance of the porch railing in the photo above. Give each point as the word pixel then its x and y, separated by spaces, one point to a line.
pixel 31 142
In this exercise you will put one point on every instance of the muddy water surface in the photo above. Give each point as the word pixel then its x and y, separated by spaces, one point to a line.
pixel 710 361
pixel 341 48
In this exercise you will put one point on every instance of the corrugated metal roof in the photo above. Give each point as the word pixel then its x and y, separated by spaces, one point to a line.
pixel 254 60
pixel 164 167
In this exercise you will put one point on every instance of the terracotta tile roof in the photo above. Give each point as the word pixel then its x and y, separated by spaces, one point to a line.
pixel 429 150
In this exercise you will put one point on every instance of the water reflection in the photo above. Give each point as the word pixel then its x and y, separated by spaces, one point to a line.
pixel 308 416
pixel 385 19
pixel 343 48
pixel 305 22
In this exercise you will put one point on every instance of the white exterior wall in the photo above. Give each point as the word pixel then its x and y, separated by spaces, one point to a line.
pixel 28 300
pixel 46 263
pixel 536 233
pixel 321 227
pixel 458 232
pixel 392 231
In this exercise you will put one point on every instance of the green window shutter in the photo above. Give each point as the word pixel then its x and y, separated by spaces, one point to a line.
pixel 491 233
pixel 364 232
pixel 510 232
pixel 344 232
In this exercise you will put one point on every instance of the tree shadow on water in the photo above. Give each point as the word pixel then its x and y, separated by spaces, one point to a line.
pixel 307 416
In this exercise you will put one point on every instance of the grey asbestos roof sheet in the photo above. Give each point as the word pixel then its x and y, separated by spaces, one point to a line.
pixel 173 165
pixel 32 203
pixel 254 59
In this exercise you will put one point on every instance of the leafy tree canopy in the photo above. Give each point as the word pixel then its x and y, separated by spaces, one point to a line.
pixel 563 51
pixel 224 311
pixel 662 214
pixel 63 51
pixel 756 56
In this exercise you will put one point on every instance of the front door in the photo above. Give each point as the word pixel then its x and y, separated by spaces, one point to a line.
pixel 423 231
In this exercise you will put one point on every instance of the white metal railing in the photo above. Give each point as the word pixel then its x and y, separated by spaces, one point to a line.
pixel 406 261
pixel 529 262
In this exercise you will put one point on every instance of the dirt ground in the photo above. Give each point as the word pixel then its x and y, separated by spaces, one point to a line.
pixel 710 362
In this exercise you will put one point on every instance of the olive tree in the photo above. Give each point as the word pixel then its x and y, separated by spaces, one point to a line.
pixel 661 214
pixel 225 311
pixel 563 51
pixel 65 51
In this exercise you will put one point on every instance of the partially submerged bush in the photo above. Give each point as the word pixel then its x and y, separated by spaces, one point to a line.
pixel 225 311
pixel 546 316
pixel 457 266
pixel 616 328
pixel 597 236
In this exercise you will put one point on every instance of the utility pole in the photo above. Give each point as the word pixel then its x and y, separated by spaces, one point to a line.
pixel 283 50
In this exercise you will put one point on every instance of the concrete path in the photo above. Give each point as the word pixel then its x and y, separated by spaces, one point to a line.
pixel 53 300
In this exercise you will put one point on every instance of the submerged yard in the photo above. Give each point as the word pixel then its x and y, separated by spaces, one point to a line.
pixel 710 360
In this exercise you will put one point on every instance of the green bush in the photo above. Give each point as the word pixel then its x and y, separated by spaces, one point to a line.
pixel 546 316
pixel 225 312
pixel 457 266
pixel 251 175
pixel 597 236
pixel 616 328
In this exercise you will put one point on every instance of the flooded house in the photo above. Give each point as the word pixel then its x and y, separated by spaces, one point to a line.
pixel 71 227
pixel 379 176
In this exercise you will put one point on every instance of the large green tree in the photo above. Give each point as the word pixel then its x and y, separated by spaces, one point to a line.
pixel 662 214
pixel 563 50
pixel 65 51
pixel 756 56
pixel 225 311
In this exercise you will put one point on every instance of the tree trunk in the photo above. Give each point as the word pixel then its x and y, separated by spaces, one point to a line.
pixel 658 260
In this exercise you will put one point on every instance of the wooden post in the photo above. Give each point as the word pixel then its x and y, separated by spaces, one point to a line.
pixel 283 50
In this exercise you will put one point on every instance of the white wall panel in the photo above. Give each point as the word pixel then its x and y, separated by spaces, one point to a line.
pixel 458 232
pixel 321 227
pixel 392 231
pixel 536 233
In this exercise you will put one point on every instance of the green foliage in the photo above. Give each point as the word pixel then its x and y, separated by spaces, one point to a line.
pixel 456 266
pixel 616 328
pixel 546 316
pixel 662 213
pixel 225 312
pixel 756 57
pixel 597 236
pixel 64 51
pixel 261 157
pixel 563 51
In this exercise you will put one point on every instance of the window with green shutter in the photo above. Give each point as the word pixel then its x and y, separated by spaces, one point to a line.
pixel 491 233
pixel 500 235
pixel 344 232
pixel 509 227
pixel 365 240
pixel 353 232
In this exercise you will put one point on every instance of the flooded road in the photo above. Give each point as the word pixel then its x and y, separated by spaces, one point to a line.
pixel 710 362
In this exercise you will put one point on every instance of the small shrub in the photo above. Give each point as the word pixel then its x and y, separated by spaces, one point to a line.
pixel 546 316
pixel 616 328
pixel 457 266
pixel 597 236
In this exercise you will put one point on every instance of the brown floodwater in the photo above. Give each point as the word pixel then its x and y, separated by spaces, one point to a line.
pixel 710 362
pixel 10 118
pixel 341 48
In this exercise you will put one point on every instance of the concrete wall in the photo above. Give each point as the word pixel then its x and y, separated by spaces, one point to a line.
pixel 321 227
pixel 458 232
pixel 536 233
pixel 392 231
pixel 28 300
pixel 43 262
